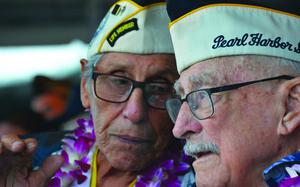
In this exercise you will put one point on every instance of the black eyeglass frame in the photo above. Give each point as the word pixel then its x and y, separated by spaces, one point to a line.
pixel 210 91
pixel 135 84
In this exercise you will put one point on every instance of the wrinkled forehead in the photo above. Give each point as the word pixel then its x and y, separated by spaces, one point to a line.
pixel 149 63
pixel 222 70
pixel 200 75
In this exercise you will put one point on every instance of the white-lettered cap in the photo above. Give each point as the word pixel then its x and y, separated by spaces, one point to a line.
pixel 207 29
pixel 139 27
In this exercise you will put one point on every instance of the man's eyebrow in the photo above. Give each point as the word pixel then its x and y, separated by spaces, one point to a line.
pixel 113 64
pixel 195 82
pixel 178 88
pixel 161 73
pixel 205 79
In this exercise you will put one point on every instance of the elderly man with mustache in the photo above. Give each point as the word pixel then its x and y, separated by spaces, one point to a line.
pixel 238 95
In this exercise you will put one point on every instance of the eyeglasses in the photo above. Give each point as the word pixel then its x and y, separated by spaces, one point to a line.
pixel 200 102
pixel 117 89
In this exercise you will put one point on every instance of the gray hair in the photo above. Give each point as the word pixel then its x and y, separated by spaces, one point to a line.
pixel 88 68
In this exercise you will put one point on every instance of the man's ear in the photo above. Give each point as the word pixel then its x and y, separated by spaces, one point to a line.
pixel 291 119
pixel 84 93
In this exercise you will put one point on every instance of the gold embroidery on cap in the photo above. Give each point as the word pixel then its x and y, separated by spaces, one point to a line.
pixel 121 30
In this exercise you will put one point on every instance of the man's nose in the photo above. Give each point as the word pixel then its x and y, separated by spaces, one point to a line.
pixel 186 123
pixel 135 109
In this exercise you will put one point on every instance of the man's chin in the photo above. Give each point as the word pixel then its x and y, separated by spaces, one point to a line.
pixel 210 172
pixel 128 163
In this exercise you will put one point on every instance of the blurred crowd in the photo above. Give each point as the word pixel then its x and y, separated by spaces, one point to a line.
pixel 51 105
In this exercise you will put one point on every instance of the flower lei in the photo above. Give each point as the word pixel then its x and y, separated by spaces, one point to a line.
pixel 165 171
pixel 77 145
pixel 75 153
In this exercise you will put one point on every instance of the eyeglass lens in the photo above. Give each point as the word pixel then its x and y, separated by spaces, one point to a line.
pixel 112 88
pixel 199 103
pixel 118 89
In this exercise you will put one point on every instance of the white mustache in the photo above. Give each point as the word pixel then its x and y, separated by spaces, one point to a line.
pixel 192 149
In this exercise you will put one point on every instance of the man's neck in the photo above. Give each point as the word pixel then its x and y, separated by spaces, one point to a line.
pixel 108 176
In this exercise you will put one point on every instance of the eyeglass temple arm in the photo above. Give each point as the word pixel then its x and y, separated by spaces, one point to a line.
pixel 238 85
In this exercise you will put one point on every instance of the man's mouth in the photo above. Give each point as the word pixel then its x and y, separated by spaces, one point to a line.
pixel 131 139
pixel 202 154
pixel 200 149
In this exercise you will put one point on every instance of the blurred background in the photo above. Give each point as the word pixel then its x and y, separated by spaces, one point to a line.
pixel 41 43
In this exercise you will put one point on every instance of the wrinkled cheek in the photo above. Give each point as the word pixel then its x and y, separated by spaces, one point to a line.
pixel 100 132
pixel 102 125
pixel 102 136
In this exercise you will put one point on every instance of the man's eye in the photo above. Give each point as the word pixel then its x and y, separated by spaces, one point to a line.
pixel 119 81
pixel 216 97
pixel 158 88
pixel 194 106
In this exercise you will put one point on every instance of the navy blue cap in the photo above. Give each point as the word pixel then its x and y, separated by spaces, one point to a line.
pixel 147 2
pixel 178 8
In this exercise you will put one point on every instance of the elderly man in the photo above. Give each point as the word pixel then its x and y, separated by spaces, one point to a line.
pixel 126 80
pixel 238 95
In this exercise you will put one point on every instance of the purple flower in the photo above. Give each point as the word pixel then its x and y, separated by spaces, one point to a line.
pixel 87 126
pixel 82 145
pixel 164 173
pixel 140 183
pixel 290 182
pixel 155 183
pixel 171 181
pixel 182 167
pixel 158 175
pixel 82 123
pixel 54 182
pixel 60 173
pixel 168 165
pixel 79 132
pixel 83 163
pixel 78 175
pixel 64 178
pixel 66 156
pixel 68 142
